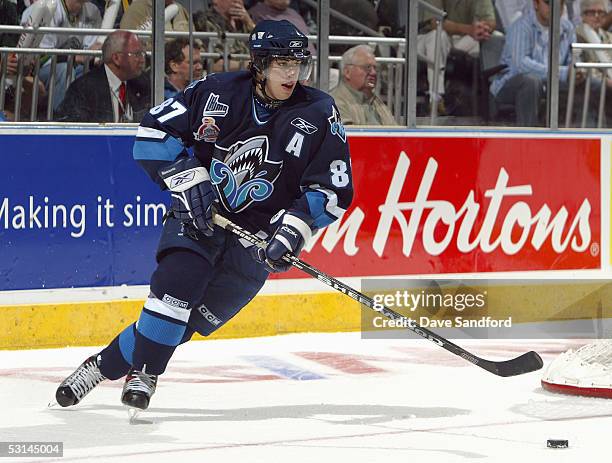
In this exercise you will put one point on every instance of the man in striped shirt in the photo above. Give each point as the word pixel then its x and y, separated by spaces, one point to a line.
pixel 526 56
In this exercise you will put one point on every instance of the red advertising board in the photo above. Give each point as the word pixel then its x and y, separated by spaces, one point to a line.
pixel 457 205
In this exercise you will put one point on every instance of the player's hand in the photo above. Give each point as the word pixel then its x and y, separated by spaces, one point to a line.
pixel 289 238
pixel 192 193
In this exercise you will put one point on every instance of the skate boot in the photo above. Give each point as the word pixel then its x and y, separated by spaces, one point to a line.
pixel 80 383
pixel 138 389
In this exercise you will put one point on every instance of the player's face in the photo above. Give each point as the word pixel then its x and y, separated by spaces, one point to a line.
pixel 282 76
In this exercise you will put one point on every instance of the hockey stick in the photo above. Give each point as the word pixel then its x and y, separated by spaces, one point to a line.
pixel 525 363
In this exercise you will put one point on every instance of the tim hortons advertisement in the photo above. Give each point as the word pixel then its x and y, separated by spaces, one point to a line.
pixel 457 205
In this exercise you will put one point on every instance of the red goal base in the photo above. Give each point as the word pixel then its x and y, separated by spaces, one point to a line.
pixel 601 392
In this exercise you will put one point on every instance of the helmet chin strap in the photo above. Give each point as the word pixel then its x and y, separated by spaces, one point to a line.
pixel 260 91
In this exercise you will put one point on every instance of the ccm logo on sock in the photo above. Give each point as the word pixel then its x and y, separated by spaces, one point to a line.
pixel 174 302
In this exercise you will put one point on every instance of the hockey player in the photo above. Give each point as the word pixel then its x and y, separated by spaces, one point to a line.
pixel 273 154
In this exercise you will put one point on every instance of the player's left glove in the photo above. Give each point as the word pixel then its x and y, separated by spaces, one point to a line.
pixel 289 238
pixel 192 193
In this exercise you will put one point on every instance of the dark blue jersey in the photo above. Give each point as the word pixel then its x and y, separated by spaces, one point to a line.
pixel 297 160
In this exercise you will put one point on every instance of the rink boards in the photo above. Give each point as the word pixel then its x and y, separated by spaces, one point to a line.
pixel 79 223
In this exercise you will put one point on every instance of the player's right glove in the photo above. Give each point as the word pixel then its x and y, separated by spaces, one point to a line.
pixel 192 193
pixel 289 238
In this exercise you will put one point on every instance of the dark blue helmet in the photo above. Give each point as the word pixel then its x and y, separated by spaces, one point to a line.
pixel 279 38
pixel 279 45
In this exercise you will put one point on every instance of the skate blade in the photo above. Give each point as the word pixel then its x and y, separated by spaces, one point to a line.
pixel 134 416
pixel 53 404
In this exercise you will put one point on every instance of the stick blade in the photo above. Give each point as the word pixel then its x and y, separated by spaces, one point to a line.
pixel 525 363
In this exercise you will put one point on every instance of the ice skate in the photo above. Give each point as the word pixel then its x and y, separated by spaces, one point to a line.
pixel 76 386
pixel 138 389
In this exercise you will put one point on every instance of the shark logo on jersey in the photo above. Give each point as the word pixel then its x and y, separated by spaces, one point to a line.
pixel 335 124
pixel 246 174
pixel 303 125
pixel 213 108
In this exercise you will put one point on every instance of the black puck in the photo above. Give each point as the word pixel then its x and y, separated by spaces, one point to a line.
pixel 557 444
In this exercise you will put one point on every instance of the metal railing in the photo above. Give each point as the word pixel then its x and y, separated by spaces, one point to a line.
pixel 388 89
pixel 577 49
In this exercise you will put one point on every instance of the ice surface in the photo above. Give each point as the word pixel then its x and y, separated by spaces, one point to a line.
pixel 309 398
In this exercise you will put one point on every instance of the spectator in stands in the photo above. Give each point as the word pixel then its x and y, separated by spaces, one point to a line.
pixel 468 22
pixel 177 65
pixel 226 16
pixel 73 14
pixel 526 56
pixel 139 14
pixel 278 10
pixel 590 31
pixel 354 95
pixel 114 92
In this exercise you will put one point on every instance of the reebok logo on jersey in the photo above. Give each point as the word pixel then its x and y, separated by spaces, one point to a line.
pixel 213 108
pixel 303 125
pixel 208 315
pixel 174 302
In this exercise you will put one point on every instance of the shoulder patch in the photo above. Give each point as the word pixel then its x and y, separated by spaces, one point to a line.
pixel 214 108
pixel 335 124
pixel 304 125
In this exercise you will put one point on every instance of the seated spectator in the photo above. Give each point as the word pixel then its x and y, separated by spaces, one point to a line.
pixel 526 56
pixel 590 31
pixel 226 16
pixel 468 22
pixel 139 16
pixel 73 14
pixel 354 95
pixel 177 65
pixel 277 10
pixel 114 92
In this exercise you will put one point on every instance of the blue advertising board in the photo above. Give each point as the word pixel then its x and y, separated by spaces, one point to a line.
pixel 75 211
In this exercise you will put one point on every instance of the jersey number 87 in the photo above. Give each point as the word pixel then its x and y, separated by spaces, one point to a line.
pixel 178 110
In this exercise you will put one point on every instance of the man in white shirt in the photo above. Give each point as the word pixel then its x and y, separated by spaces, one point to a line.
pixel 114 92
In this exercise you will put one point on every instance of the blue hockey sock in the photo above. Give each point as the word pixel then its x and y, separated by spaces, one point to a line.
pixel 117 356
pixel 160 328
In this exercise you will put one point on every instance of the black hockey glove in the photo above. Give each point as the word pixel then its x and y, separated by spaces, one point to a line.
pixel 289 237
pixel 192 193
